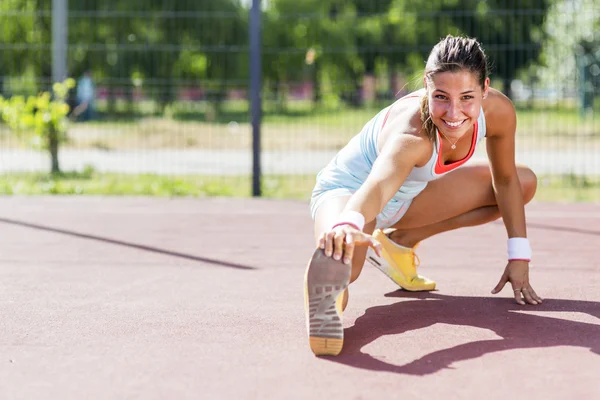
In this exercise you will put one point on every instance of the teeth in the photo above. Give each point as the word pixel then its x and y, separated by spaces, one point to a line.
pixel 454 123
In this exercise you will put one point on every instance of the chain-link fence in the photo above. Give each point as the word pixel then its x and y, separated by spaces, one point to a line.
pixel 168 84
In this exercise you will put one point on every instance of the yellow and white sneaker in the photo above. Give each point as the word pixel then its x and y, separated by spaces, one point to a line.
pixel 325 296
pixel 399 264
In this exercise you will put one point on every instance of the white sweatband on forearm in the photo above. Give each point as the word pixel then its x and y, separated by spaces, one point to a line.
pixel 519 249
pixel 352 218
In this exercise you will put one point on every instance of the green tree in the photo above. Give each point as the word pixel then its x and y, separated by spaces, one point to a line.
pixel 26 40
pixel 570 28
pixel 40 119
pixel 127 43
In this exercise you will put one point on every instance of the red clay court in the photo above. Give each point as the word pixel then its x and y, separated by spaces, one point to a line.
pixel 145 298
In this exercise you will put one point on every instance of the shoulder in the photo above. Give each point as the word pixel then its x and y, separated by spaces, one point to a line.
pixel 403 131
pixel 404 115
pixel 499 111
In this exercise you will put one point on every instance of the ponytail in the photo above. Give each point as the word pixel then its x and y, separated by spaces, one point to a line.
pixel 428 124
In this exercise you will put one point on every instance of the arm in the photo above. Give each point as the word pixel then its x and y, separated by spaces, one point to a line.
pixel 505 181
pixel 403 148
pixel 400 153
pixel 507 190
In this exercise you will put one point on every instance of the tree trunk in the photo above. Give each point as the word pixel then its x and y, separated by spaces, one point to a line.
pixel 111 102
pixel 506 87
pixel 282 97
pixel 221 96
pixel 356 99
pixel 167 95
pixel 316 84
pixel 131 102
pixel 53 149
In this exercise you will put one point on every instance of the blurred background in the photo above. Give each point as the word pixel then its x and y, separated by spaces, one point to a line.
pixel 158 92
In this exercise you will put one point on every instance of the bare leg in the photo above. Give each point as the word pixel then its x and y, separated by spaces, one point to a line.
pixel 327 215
pixel 410 237
pixel 326 285
pixel 468 201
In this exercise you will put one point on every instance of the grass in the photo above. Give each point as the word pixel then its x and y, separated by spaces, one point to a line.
pixel 568 189
pixel 90 182
pixel 300 127
pixel 550 189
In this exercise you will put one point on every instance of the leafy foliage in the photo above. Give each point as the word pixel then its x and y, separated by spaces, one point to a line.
pixel 41 119
pixel 157 46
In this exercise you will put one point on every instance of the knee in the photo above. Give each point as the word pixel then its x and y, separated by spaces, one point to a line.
pixel 528 181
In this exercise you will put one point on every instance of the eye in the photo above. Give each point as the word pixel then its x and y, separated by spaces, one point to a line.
pixel 467 97
pixel 440 97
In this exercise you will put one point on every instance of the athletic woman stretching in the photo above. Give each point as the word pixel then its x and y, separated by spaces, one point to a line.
pixel 398 182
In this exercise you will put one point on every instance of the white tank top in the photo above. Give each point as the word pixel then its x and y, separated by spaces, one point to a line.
pixel 353 163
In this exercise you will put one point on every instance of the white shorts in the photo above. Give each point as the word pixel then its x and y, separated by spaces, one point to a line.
pixel 393 211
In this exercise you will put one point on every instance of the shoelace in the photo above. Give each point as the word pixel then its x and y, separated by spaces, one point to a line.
pixel 415 256
pixel 417 260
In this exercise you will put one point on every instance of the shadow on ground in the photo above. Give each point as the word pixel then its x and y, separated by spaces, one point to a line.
pixel 127 244
pixel 510 321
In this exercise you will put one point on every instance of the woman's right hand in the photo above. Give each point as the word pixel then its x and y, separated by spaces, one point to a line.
pixel 342 239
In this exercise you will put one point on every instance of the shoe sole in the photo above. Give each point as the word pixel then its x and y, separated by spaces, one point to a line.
pixel 381 264
pixel 325 280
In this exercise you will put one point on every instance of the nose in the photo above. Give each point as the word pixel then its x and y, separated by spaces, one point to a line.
pixel 453 109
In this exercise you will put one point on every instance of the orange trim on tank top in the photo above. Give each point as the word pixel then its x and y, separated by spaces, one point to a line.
pixel 441 168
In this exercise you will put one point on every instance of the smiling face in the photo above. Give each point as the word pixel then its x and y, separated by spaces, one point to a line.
pixel 455 101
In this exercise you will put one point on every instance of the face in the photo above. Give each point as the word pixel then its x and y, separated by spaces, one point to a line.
pixel 455 101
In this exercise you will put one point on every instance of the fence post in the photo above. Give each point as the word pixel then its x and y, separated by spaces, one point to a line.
pixel 59 40
pixel 255 89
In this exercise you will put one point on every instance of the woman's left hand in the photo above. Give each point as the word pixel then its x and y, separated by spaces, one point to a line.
pixel 517 273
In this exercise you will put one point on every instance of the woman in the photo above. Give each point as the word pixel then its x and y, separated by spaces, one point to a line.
pixel 398 182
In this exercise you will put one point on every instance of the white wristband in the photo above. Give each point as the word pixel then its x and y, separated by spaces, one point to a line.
pixel 519 249
pixel 353 218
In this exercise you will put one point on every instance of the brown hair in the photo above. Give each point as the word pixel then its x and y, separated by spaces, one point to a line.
pixel 452 54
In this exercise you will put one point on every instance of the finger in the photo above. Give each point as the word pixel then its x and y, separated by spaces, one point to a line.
pixel 329 243
pixel 322 240
pixel 376 246
pixel 500 284
pixel 517 291
pixel 527 294
pixel 338 245
pixel 349 248
pixel 360 238
pixel 534 295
